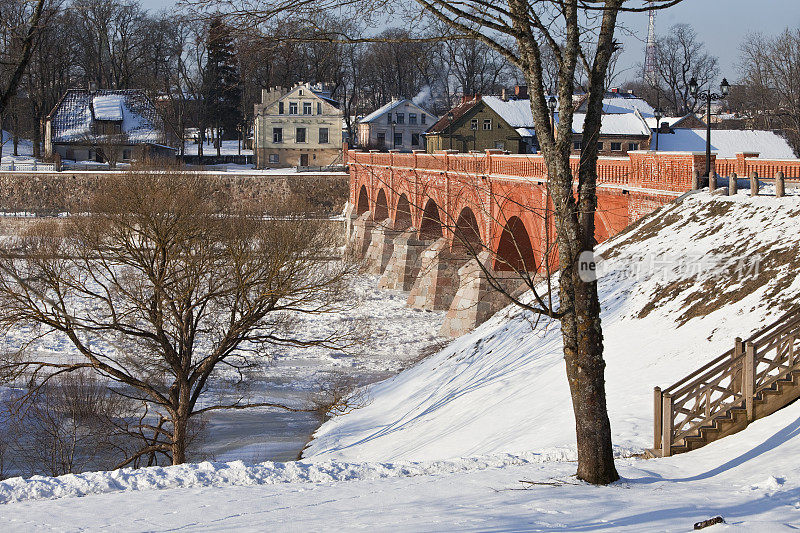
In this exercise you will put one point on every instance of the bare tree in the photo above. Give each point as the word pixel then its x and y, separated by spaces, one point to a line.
pixel 680 56
pixel 73 423
pixel 770 88
pixel 168 294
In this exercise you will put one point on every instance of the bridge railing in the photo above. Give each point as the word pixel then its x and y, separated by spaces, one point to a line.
pixel 668 171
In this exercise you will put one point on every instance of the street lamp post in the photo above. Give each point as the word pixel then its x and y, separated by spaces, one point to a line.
pixel 709 97
pixel 551 103
pixel 658 114
pixel 450 128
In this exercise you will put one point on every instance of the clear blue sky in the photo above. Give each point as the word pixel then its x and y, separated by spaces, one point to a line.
pixel 721 24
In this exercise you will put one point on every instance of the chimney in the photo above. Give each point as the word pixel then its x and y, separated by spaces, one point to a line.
pixel 521 92
pixel 504 95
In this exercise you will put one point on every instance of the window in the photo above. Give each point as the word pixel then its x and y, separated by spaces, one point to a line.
pixel 381 139
pixel 273 158
pixel 301 135
pixel 300 92
pixel 126 154
pixel 323 136
pixel 487 123
pixel 576 145
pixel 412 118
pixel 319 108
pixel 401 118
pixel 415 139
pixel 473 124
pixel 280 108
pixel 398 139
pixel 306 108
pixel 499 145
pixel 422 118
pixel 633 146
pixel 616 147
pixel 600 146
pixel 292 108
pixel 277 135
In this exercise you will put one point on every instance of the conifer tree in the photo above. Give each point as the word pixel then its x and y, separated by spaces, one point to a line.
pixel 223 93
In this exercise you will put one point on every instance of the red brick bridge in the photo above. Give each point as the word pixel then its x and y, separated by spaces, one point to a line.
pixel 413 215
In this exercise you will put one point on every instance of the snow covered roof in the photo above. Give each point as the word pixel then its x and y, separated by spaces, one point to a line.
pixel 516 112
pixel 627 104
pixel 381 111
pixel 727 143
pixel 107 107
pixel 72 118
pixel 615 124
pixel 619 121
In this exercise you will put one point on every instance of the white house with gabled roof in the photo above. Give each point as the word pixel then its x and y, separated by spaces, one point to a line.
pixel 398 125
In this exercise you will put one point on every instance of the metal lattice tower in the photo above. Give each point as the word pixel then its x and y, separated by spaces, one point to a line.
pixel 650 52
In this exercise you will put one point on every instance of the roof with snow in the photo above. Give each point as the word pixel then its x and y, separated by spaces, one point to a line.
pixel 72 119
pixel 727 143
pixel 620 121
pixel 388 108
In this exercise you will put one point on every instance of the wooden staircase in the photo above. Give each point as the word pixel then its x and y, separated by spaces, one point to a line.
pixel 752 380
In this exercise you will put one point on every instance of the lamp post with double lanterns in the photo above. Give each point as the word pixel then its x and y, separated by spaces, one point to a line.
pixel 709 97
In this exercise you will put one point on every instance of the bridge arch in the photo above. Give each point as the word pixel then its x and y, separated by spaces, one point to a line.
pixel 467 234
pixel 430 227
pixel 402 213
pixel 381 207
pixel 514 251
pixel 362 206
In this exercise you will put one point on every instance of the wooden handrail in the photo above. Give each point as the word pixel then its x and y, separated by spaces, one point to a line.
pixel 734 379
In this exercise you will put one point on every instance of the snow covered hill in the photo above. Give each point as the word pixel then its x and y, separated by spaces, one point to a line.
pixel 681 285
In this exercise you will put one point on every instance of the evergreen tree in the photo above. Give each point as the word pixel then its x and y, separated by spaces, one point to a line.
pixel 223 93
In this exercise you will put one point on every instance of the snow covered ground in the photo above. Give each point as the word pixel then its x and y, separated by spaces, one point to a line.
pixel 671 302
pixel 453 442
pixel 752 479
pixel 24 149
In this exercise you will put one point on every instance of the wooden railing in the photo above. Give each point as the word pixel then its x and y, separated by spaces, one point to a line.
pixel 732 380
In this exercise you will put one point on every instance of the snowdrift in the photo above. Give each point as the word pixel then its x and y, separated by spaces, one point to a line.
pixel 678 287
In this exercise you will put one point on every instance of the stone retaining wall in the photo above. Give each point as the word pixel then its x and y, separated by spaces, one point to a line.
pixel 68 191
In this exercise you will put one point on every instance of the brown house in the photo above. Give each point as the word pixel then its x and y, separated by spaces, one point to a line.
pixel 506 123
pixel 106 126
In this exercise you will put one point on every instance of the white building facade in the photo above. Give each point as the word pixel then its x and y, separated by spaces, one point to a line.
pixel 301 126
pixel 398 125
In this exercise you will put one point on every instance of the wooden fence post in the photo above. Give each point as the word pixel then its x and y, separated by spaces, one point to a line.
pixel 749 380
pixel 780 185
pixel 754 183
pixel 666 425
pixel 738 351
pixel 732 185
pixel 657 403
